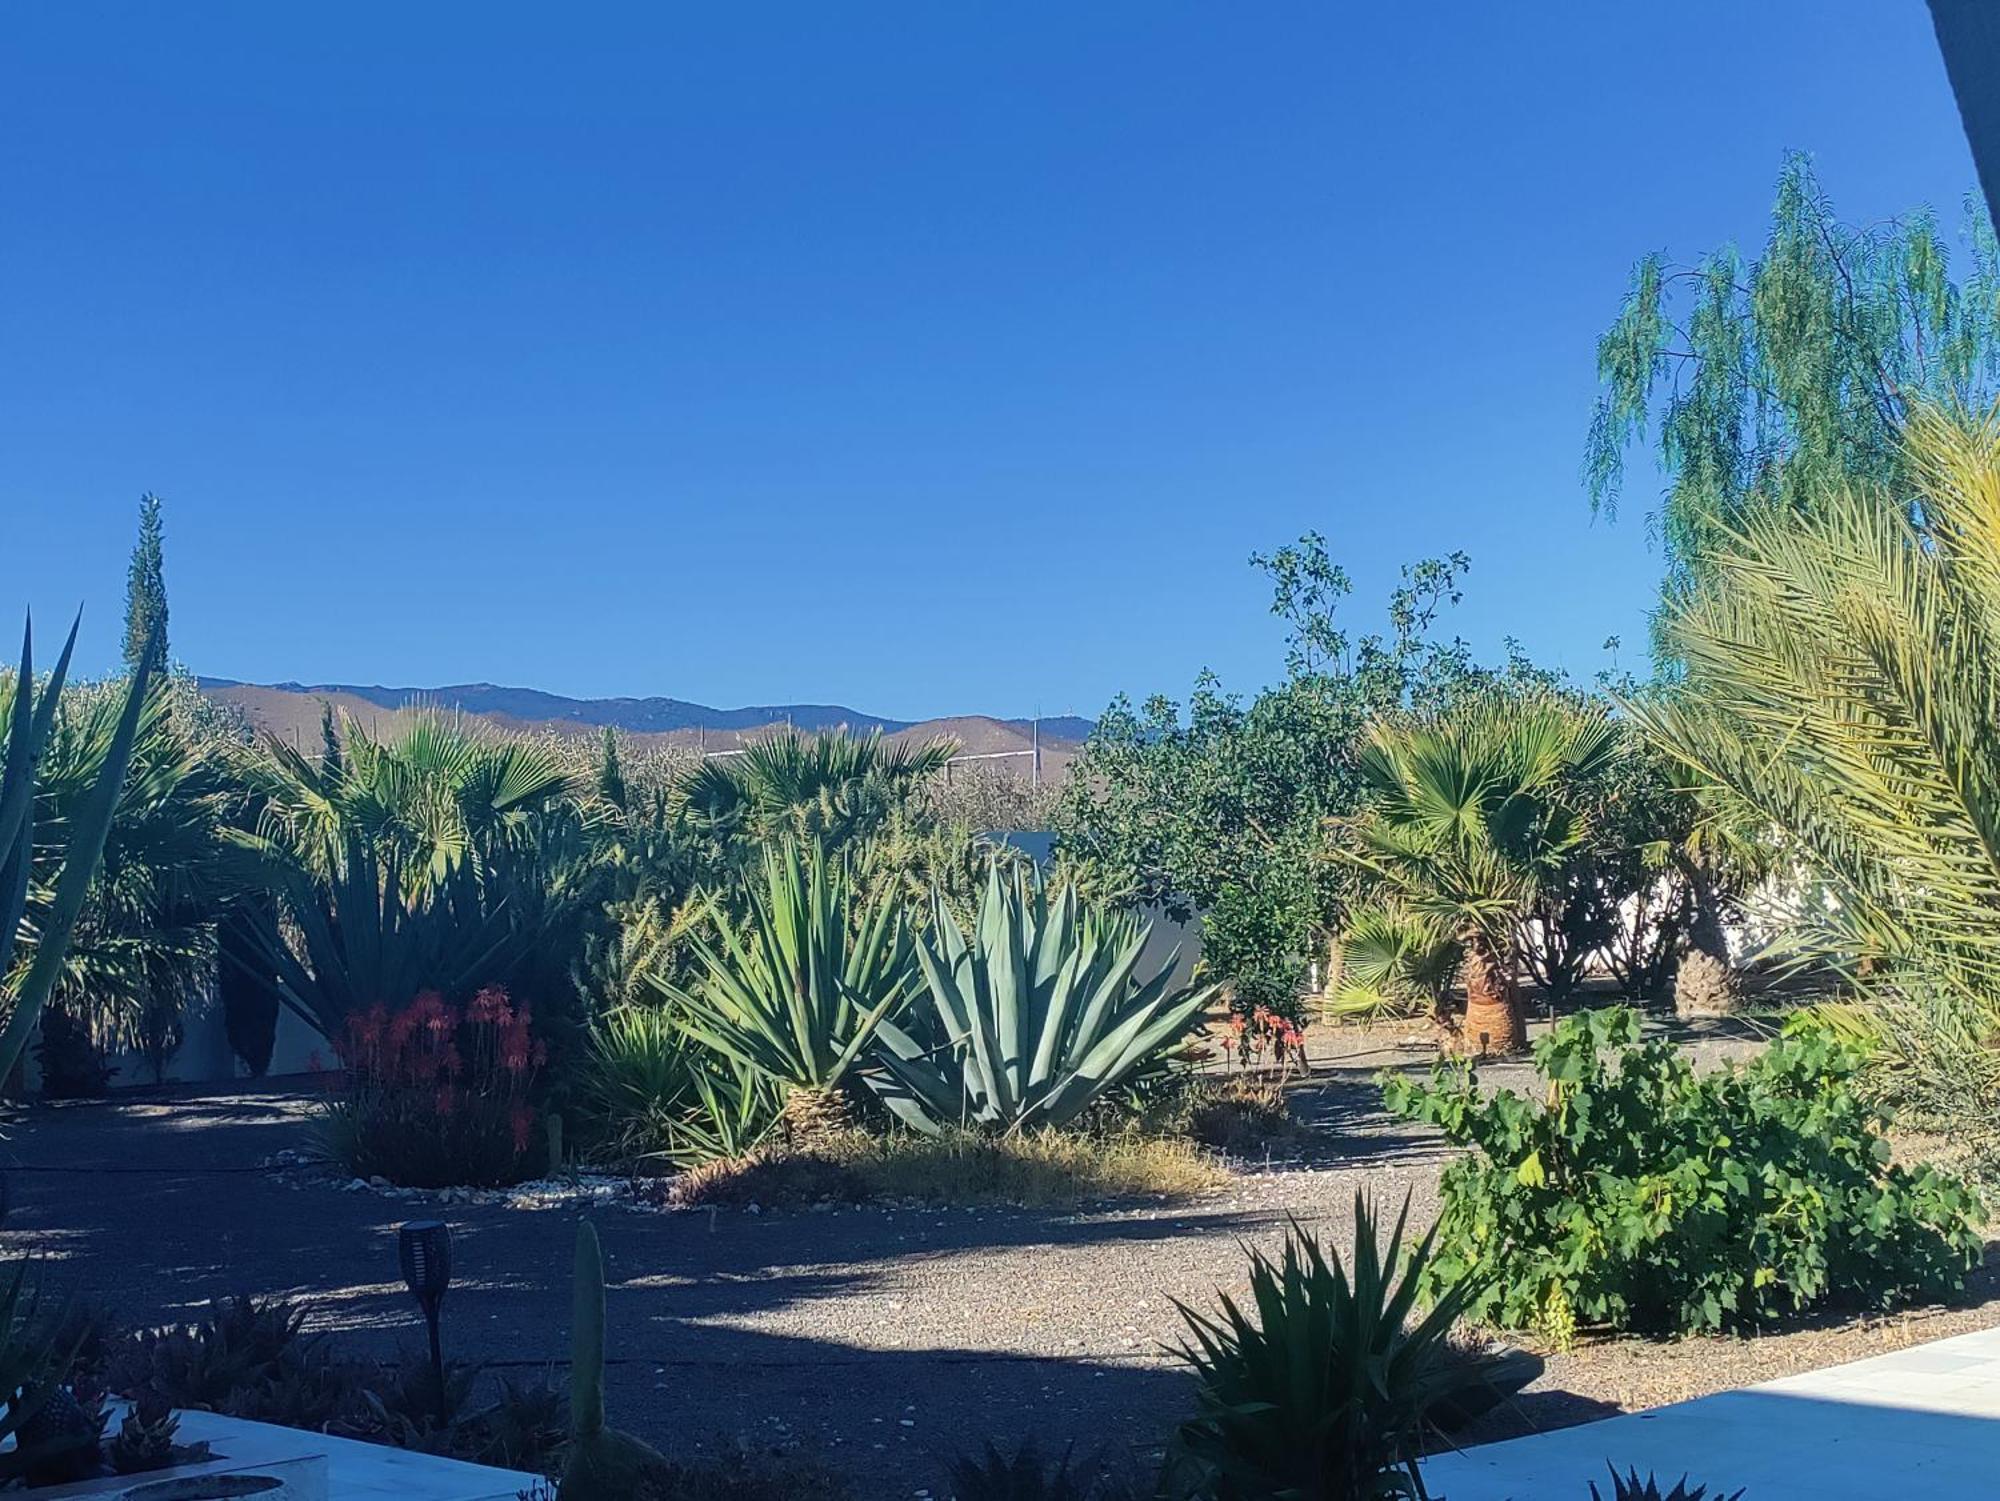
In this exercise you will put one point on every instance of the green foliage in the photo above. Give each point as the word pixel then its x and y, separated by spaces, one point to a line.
pixel 1773 384
pixel 1037 1014
pixel 1223 808
pixel 1394 961
pixel 1636 1195
pixel 798 994
pixel 602 1464
pixel 1474 812
pixel 436 799
pixel 146 588
pixel 647 1091
pixel 143 949
pixel 1324 1385
pixel 831 787
pixel 41 893
pixel 1841 669
pixel 362 934
pixel 1629 1487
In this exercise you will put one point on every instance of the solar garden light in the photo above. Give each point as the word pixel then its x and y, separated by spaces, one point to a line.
pixel 424 1247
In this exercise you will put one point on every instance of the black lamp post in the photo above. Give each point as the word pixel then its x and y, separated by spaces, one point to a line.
pixel 425 1249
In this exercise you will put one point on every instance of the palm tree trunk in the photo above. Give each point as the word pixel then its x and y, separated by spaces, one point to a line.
pixel 1494 1020
pixel 1706 983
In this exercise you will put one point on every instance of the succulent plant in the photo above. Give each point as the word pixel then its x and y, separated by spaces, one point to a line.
pixel 603 1464
pixel 60 1440
pixel 1629 1487
pixel 1038 1012
pixel 1024 1475
pixel 146 1440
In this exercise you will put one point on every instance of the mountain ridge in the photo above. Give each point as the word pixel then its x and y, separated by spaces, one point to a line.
pixel 285 707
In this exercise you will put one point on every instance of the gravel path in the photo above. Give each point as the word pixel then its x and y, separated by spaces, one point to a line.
pixel 886 1340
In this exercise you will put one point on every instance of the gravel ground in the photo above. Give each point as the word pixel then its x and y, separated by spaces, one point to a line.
pixel 886 1340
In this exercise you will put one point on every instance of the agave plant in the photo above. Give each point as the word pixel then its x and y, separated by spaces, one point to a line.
pixel 798 993
pixel 1325 1385
pixel 1038 1012
pixel 1629 1487
pixel 30 718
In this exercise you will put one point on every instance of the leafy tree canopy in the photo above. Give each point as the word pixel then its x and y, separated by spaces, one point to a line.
pixel 1775 381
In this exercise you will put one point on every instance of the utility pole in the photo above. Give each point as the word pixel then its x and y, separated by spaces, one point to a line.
pixel 1035 741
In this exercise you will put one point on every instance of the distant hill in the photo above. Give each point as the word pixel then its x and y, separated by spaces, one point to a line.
pixel 292 712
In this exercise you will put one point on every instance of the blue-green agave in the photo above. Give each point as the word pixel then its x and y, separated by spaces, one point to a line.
pixel 1037 1012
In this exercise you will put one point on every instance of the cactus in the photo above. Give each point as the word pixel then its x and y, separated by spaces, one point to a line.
pixel 604 1464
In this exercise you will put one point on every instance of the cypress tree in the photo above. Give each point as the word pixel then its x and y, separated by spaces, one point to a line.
pixel 146 586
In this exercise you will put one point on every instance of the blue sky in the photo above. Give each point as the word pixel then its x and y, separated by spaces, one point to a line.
pixel 923 357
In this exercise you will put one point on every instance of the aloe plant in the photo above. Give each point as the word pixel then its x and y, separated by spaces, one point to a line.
pixel 798 993
pixel 1039 1011
pixel 29 722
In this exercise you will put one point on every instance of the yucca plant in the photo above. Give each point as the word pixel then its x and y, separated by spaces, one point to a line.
pixel 1324 1385
pixel 363 939
pixel 798 993
pixel 29 720
pixel 1037 1013
pixel 1629 1487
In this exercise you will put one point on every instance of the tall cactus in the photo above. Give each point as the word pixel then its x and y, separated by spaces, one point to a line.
pixel 604 1464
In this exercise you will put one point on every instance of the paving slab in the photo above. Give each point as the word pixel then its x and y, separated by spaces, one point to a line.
pixel 1920 1421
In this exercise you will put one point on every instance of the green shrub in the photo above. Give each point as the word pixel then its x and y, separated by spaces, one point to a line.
pixel 1636 1195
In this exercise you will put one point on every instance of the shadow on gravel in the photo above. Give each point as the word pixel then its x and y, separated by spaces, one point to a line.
pixel 892 1420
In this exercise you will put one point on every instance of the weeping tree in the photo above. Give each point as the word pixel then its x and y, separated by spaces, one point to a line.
pixel 1842 664
pixel 1778 380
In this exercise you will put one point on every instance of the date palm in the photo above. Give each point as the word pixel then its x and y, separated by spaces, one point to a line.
pixel 1469 813
pixel 1841 673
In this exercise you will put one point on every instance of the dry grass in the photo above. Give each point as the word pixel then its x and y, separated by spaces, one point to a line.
pixel 1045 1169
pixel 1244 1117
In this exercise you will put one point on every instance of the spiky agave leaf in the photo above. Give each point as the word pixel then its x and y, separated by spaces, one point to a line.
pixel 1035 1014
pixel 1323 1385
pixel 798 993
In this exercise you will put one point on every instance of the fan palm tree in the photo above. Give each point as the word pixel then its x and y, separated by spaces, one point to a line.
pixel 827 786
pixel 433 797
pixel 1469 814
pixel 144 944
